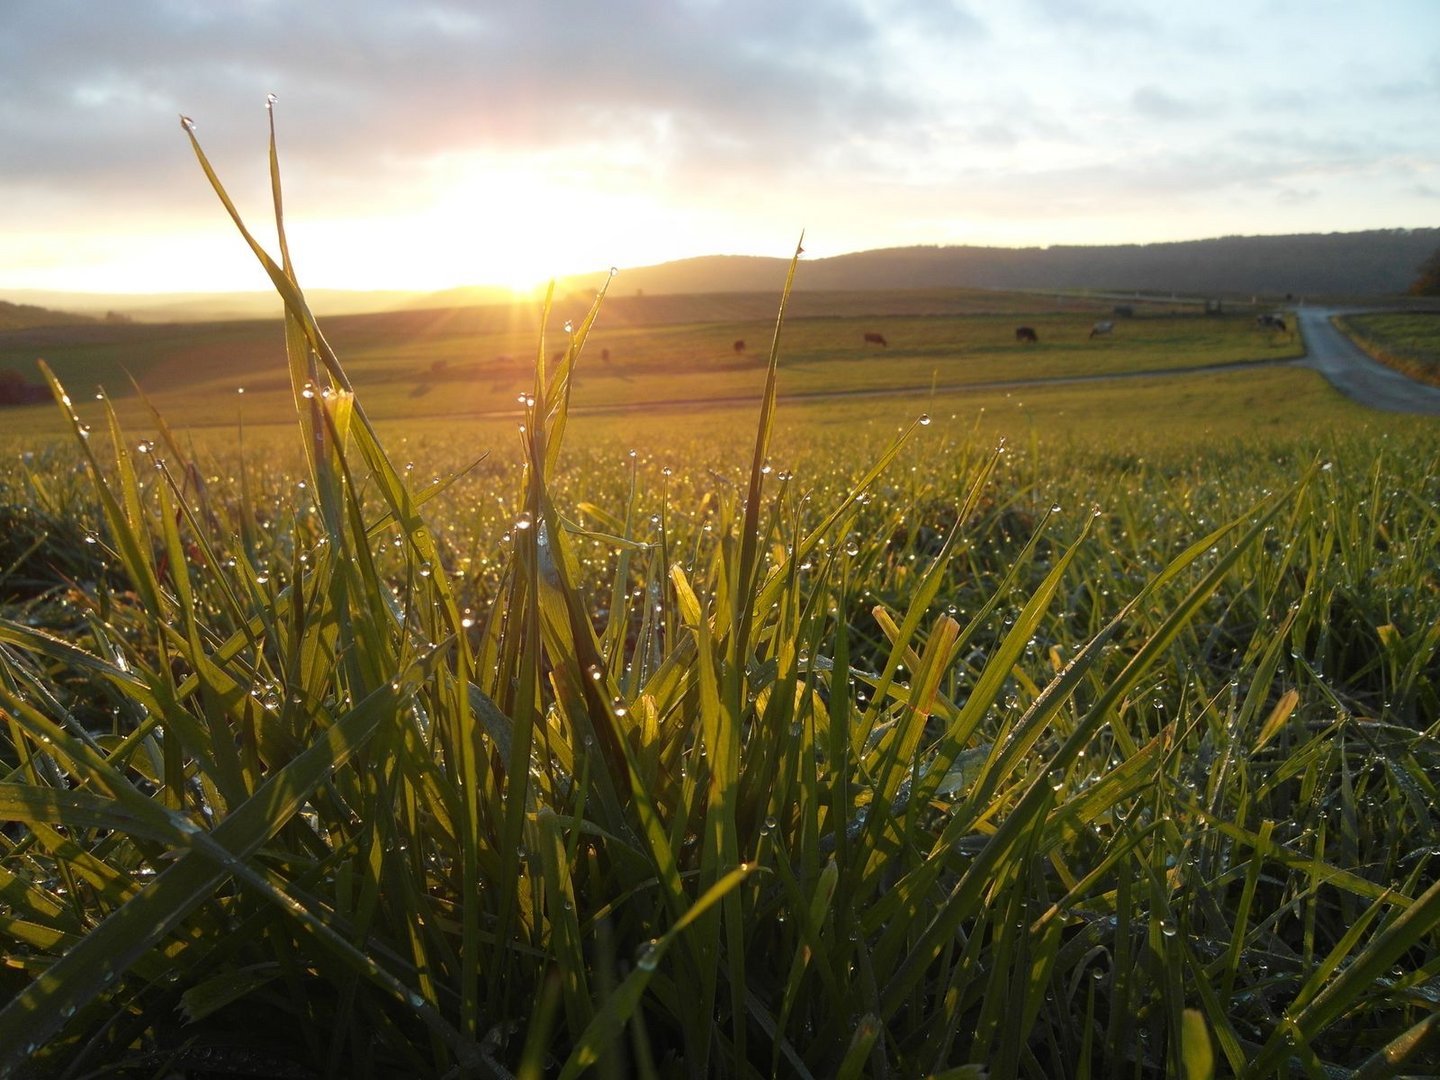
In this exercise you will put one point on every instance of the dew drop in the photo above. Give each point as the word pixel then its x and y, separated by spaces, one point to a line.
pixel 924 419
pixel 187 123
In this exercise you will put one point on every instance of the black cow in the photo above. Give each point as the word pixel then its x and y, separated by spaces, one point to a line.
pixel 1027 333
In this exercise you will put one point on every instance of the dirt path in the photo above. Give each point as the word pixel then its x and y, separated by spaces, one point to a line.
pixel 1352 372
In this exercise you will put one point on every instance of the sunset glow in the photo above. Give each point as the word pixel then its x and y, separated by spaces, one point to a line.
pixel 444 147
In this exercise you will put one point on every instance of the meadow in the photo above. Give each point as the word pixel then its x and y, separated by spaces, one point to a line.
pixel 1080 729
pixel 467 364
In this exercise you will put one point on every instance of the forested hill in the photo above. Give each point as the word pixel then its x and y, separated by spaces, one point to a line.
pixel 28 316
pixel 1379 262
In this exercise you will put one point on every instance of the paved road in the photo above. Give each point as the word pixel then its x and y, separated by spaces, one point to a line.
pixel 1354 374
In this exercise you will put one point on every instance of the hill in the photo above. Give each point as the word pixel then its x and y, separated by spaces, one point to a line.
pixel 206 307
pixel 1381 262
pixel 1375 263
pixel 30 316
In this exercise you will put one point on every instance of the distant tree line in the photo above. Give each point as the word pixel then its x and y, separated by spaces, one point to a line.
pixel 28 317
pixel 1378 262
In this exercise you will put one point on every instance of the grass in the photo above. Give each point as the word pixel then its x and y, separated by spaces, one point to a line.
pixel 1410 343
pixel 832 750
pixel 460 363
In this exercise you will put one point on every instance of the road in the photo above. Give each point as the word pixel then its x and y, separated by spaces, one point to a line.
pixel 1352 372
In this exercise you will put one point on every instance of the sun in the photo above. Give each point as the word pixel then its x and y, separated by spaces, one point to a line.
pixel 511 226
pixel 502 222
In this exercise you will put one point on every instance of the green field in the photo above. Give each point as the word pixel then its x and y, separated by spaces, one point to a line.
pixel 671 722
pixel 467 363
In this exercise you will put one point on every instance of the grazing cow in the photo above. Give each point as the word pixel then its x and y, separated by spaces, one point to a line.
pixel 1101 328
pixel 1027 333
pixel 872 338
pixel 1272 322
pixel 1125 311
pixel 739 347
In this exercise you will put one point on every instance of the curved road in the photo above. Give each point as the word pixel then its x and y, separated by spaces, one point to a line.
pixel 1351 371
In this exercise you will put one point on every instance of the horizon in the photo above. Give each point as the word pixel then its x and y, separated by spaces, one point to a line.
pixel 267 290
pixel 454 147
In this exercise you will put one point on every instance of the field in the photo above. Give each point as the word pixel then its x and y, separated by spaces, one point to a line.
pixel 1410 343
pixel 670 721
pixel 471 363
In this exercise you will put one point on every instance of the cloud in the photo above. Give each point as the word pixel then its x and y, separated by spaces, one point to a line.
pixel 878 110
pixel 366 83
pixel 1153 103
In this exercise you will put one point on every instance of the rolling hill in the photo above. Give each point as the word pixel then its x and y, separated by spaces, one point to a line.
pixel 1380 262
pixel 1374 263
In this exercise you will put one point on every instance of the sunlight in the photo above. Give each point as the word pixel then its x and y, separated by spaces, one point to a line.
pixel 515 226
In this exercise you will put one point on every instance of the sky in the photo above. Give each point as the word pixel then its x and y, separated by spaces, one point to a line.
pixel 432 143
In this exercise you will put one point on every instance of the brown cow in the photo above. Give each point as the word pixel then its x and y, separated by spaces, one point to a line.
pixel 1027 333
pixel 739 347
pixel 872 338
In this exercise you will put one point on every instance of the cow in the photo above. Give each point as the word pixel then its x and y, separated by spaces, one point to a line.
pixel 1101 328
pixel 872 338
pixel 739 346
pixel 1272 322
pixel 1125 311
pixel 1027 333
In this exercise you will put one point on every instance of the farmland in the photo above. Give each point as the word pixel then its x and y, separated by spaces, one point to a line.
pixel 669 719
pixel 468 363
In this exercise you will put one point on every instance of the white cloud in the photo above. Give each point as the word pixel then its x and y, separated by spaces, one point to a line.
pixel 763 110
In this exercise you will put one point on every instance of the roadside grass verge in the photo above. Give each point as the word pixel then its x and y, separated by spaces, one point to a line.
pixel 1409 343
pixel 885 753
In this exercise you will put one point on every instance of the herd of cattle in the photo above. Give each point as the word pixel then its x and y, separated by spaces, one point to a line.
pixel 1026 335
